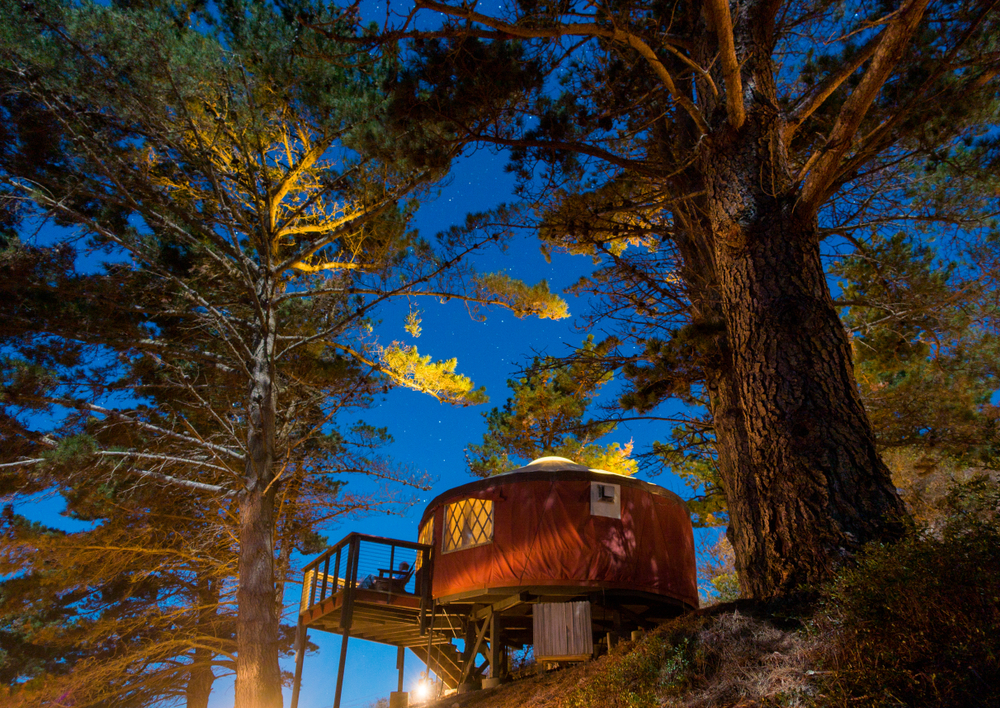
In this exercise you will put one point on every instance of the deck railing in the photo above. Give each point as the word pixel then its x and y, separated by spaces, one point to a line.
pixel 380 565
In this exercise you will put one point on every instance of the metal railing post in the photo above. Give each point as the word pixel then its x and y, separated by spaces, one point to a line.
pixel 350 583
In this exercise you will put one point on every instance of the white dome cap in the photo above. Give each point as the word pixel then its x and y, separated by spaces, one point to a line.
pixel 544 460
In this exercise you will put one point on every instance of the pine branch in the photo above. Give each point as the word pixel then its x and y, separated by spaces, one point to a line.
pixel 163 458
pixel 176 481
pixel 580 29
pixel 811 102
pixel 719 10
pixel 824 167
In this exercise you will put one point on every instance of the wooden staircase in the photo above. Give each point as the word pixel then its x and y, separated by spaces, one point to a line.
pixel 445 661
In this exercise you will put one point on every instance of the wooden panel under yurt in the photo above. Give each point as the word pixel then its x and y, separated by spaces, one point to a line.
pixel 562 631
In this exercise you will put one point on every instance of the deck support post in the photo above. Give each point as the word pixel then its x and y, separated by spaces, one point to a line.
pixel 471 627
pixel 400 658
pixel 430 639
pixel 344 636
pixel 496 670
pixel 472 650
pixel 301 637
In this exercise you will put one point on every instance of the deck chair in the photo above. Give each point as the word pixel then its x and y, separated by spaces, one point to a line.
pixel 394 581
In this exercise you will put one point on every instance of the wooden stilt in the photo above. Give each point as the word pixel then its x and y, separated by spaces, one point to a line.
pixel 471 651
pixel 400 658
pixel 344 636
pixel 495 645
pixel 301 637
pixel 430 639
pixel 470 639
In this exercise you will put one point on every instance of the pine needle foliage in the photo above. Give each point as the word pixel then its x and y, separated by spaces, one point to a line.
pixel 545 416
pixel 714 159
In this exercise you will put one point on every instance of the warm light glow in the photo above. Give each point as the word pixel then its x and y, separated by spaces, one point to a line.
pixel 422 691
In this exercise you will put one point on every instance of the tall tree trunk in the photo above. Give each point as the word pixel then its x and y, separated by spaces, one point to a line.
pixel 804 484
pixel 201 677
pixel 258 678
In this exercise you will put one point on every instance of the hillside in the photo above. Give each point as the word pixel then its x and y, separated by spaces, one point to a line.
pixel 717 657
pixel 913 624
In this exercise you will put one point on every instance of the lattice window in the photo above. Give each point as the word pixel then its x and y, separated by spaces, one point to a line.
pixel 427 537
pixel 307 586
pixel 467 523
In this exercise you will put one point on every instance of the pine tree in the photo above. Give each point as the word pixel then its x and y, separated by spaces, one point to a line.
pixel 923 327
pixel 545 417
pixel 703 153
pixel 924 337
pixel 250 245
pixel 150 591
pixel 136 611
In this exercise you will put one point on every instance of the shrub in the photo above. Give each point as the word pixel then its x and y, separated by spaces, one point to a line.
pixel 918 623
pixel 636 674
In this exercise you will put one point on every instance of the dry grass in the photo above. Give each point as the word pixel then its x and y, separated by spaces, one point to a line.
pixel 739 660
pixel 545 691
pixel 723 657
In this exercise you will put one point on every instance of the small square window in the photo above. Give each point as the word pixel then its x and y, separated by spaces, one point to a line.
pixel 605 500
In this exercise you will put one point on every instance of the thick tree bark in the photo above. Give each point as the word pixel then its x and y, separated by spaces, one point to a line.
pixel 258 677
pixel 804 484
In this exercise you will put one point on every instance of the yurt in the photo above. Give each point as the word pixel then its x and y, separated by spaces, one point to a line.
pixel 556 531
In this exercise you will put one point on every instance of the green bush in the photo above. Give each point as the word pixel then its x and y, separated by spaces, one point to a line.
pixel 634 675
pixel 918 623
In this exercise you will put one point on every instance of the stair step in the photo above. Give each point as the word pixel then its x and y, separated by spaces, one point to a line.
pixel 444 660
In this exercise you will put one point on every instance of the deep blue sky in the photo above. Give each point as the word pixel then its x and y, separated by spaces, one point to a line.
pixel 428 435
pixel 433 436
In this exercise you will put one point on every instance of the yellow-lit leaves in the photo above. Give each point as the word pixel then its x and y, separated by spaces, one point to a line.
pixel 406 367
pixel 611 458
pixel 412 325
pixel 609 219
pixel 523 299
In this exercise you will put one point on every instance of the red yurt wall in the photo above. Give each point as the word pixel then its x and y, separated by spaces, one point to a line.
pixel 546 534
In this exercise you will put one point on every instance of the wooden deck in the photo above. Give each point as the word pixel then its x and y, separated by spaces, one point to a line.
pixel 378 589
pixel 394 620
pixel 375 616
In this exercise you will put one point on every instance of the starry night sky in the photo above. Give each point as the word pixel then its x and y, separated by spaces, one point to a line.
pixel 430 436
